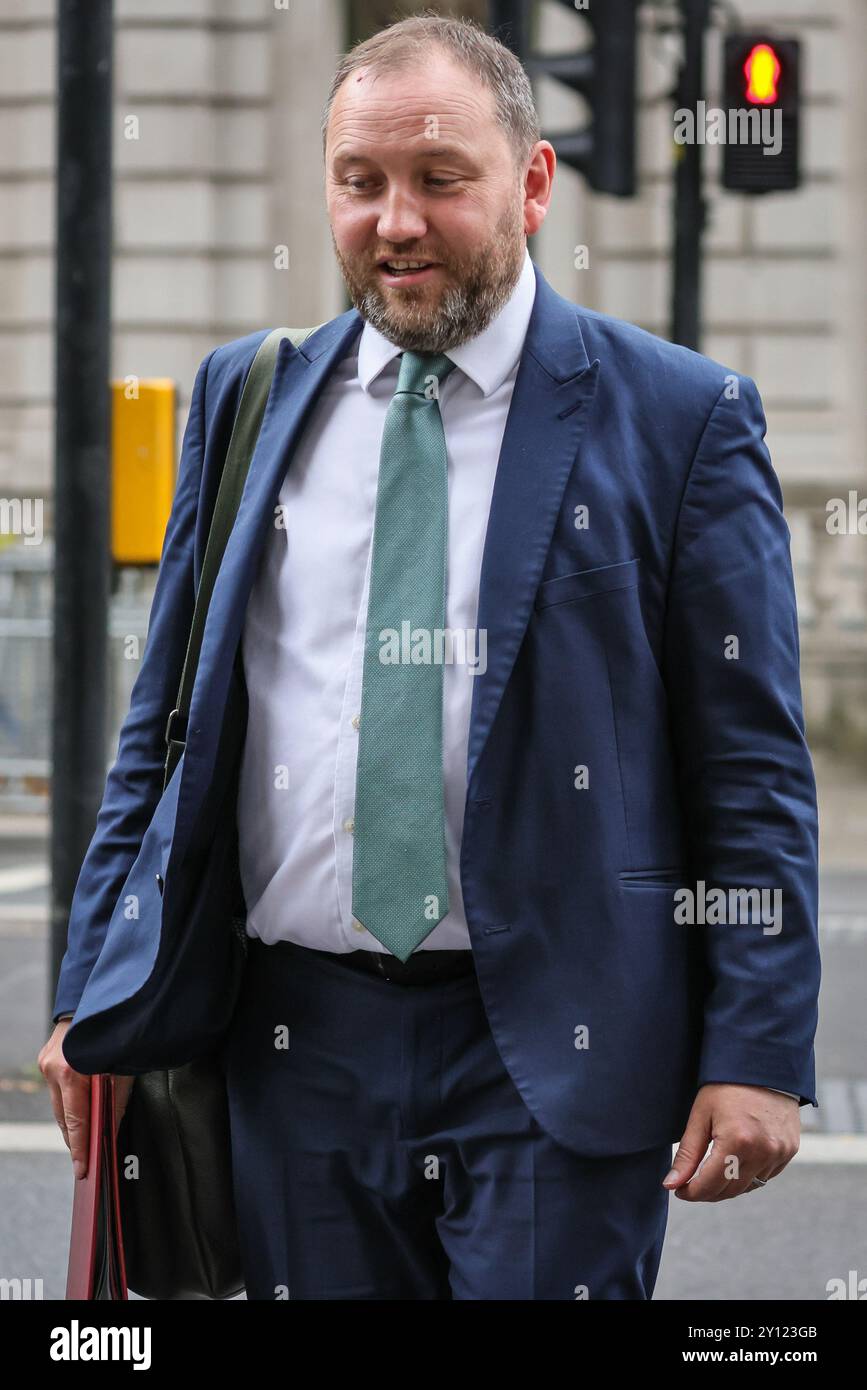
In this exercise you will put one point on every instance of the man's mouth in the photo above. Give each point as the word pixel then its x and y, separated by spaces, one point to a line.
pixel 407 271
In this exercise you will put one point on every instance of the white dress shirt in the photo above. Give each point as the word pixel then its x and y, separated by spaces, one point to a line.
pixel 304 629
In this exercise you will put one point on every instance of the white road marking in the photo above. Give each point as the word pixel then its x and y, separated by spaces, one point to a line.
pixel 832 1148
pixel 852 924
pixel 31 1138
pixel 23 877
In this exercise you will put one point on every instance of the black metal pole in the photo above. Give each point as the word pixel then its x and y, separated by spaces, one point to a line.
pixel 509 21
pixel 689 207
pixel 82 440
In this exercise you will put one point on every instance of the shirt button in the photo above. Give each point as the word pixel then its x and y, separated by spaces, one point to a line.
pixel 355 721
pixel 356 925
pixel 349 825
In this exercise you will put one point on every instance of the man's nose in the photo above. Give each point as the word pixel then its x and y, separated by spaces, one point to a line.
pixel 401 218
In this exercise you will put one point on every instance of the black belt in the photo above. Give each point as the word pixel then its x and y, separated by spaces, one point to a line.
pixel 422 968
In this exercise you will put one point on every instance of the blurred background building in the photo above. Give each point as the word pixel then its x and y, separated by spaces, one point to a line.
pixel 219 169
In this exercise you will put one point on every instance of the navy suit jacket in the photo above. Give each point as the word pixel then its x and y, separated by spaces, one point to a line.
pixel 636 529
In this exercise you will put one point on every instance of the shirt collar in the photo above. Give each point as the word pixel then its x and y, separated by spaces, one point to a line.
pixel 486 359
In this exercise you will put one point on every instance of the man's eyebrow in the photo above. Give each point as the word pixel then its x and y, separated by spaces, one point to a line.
pixel 423 152
pixel 446 152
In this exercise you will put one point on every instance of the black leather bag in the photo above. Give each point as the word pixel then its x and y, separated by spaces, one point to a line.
pixel 180 1235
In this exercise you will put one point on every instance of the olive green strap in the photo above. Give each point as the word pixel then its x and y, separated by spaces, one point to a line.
pixel 245 432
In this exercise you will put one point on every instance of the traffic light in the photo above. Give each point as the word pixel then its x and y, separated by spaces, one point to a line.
pixel 761 85
pixel 604 74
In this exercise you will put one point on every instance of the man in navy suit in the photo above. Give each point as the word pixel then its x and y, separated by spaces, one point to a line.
pixel 523 815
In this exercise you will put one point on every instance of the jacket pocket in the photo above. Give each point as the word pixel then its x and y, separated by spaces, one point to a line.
pixel 583 583
pixel 653 878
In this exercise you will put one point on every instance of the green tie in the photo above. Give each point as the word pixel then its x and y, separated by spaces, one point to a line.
pixel 399 884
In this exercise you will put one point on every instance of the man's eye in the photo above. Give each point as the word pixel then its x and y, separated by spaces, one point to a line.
pixel 359 185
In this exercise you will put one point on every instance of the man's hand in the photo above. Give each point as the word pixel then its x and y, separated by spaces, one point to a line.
pixel 70 1097
pixel 755 1132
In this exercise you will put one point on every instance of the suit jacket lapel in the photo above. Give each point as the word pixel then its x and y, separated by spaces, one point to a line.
pixel 554 390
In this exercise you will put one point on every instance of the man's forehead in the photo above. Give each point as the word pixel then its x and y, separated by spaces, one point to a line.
pixel 355 150
pixel 412 98
pixel 411 135
pixel 434 71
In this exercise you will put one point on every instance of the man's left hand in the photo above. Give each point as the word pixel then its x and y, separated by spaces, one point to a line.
pixel 755 1133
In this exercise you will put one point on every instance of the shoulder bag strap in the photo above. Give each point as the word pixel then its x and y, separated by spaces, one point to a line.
pixel 245 432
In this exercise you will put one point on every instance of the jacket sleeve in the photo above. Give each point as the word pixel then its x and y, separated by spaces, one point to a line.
pixel 135 780
pixel 731 668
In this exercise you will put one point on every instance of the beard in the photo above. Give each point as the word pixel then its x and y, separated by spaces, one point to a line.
pixel 478 285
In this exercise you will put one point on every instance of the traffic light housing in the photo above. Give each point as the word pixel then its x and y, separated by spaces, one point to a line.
pixel 761 74
pixel 604 74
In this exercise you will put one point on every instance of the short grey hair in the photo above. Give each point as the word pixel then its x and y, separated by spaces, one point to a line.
pixel 409 40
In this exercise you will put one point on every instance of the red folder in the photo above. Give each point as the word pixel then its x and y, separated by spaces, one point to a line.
pixel 96 1264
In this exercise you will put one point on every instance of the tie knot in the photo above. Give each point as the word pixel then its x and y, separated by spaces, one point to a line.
pixel 417 369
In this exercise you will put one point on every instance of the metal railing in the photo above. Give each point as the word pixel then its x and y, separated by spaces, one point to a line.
pixel 26 624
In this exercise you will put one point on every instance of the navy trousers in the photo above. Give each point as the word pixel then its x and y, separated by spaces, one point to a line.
pixel 381 1151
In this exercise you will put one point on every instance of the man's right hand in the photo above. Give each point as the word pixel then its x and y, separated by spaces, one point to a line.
pixel 70 1097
